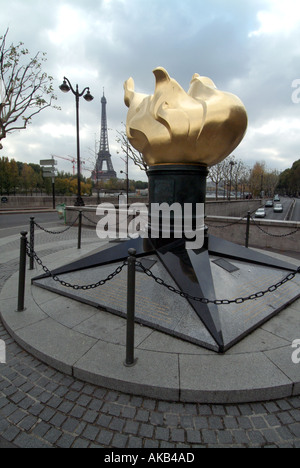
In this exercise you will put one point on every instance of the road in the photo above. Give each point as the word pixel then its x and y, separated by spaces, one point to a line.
pixel 11 224
pixel 296 211
pixel 286 203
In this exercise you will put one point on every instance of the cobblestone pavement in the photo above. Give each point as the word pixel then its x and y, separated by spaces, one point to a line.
pixel 43 408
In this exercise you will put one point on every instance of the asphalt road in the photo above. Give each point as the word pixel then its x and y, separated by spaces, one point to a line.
pixel 296 211
pixel 286 203
pixel 11 224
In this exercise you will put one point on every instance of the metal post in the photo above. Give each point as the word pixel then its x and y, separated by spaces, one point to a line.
pixel 22 270
pixel 79 201
pixel 79 229
pixel 248 229
pixel 127 175
pixel 130 361
pixel 53 193
pixel 31 243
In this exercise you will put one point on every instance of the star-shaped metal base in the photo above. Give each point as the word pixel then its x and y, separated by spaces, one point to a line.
pixel 190 270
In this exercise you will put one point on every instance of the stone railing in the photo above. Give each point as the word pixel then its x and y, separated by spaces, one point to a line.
pixel 264 234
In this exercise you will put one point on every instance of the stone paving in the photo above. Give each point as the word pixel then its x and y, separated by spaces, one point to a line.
pixel 41 407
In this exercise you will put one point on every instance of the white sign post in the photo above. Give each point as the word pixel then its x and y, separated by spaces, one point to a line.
pixel 49 171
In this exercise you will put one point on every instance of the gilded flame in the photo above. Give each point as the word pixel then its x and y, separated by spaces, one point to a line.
pixel 202 126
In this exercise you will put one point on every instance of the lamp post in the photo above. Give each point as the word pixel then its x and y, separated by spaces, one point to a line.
pixel 65 88
pixel 126 172
pixel 232 163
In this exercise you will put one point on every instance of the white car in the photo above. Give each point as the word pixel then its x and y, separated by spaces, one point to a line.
pixel 278 208
pixel 260 213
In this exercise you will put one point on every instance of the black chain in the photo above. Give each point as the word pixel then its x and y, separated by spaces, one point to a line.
pixel 203 300
pixel 225 225
pixel 74 286
pixel 88 219
pixel 274 235
pixel 55 232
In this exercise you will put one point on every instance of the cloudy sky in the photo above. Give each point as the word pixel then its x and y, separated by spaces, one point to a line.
pixel 250 48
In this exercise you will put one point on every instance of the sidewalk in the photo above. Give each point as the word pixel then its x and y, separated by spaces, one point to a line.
pixel 48 407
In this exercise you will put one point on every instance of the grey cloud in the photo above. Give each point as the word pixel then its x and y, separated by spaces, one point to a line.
pixel 124 38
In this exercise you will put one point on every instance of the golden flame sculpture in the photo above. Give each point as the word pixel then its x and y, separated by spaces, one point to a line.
pixel 202 126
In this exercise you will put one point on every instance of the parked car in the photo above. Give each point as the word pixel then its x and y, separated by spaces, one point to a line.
pixel 269 203
pixel 260 213
pixel 278 208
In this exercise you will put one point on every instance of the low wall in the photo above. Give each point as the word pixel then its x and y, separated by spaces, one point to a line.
pixel 263 234
pixel 233 208
pixel 213 208
pixel 22 202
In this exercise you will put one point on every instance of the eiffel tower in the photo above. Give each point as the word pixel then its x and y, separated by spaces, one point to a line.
pixel 104 168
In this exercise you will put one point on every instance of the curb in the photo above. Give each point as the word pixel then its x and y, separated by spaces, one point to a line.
pixel 89 344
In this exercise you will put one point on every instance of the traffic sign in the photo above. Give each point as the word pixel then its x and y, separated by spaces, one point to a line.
pixel 49 171
pixel 48 162
pixel 49 168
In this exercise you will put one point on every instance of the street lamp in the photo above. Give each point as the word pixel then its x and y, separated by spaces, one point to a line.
pixel 127 184
pixel 65 87
pixel 232 163
pixel 126 172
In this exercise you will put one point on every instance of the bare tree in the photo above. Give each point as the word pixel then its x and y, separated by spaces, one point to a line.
pixel 25 89
pixel 216 175
pixel 232 172
pixel 134 155
pixel 244 180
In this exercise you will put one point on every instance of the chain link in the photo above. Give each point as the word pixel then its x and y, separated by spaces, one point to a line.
pixel 225 225
pixel 56 232
pixel 274 235
pixel 203 300
pixel 88 219
pixel 74 286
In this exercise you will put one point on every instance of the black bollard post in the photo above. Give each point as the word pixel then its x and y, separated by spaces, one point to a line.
pixel 130 361
pixel 22 271
pixel 248 229
pixel 79 229
pixel 31 243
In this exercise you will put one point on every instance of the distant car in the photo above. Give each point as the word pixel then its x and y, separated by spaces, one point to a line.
pixel 278 208
pixel 269 203
pixel 276 198
pixel 260 213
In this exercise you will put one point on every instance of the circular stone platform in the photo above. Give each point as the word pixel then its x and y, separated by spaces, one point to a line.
pixel 90 344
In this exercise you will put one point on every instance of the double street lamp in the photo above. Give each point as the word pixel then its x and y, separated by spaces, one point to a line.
pixel 65 88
